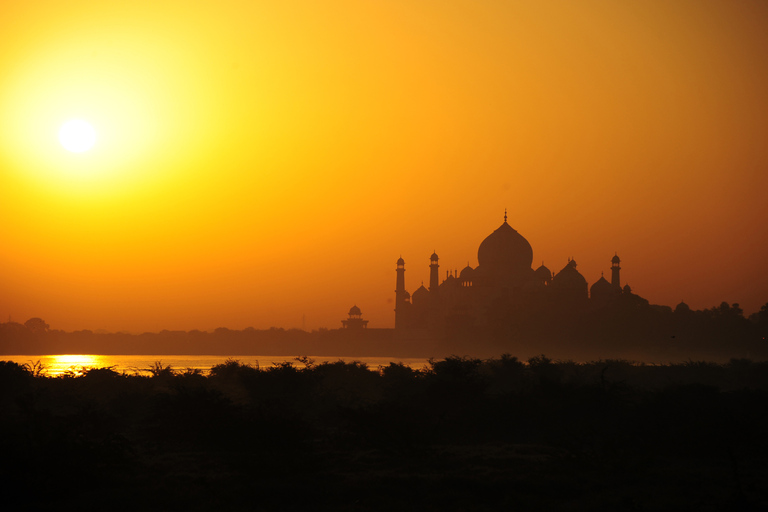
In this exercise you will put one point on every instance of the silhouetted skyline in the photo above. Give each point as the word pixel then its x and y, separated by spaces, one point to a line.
pixel 503 285
pixel 266 164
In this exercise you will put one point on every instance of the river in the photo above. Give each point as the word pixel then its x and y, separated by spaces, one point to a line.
pixel 57 365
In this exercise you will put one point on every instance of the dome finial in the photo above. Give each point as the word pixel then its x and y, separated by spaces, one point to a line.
pixel 505 215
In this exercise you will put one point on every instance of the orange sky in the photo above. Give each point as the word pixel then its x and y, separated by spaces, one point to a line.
pixel 261 162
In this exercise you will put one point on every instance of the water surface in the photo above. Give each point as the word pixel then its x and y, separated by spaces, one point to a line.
pixel 56 365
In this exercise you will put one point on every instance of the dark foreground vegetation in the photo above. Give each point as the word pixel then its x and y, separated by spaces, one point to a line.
pixel 461 434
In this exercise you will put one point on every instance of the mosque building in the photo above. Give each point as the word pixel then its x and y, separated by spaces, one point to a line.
pixel 503 285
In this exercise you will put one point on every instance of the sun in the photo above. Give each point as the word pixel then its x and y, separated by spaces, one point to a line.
pixel 77 135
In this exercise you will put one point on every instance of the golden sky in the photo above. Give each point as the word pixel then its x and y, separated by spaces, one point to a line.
pixel 261 163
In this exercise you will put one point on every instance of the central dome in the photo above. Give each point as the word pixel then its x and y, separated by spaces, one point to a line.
pixel 505 250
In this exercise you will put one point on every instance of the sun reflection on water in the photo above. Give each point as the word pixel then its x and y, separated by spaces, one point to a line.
pixel 65 365
pixel 62 364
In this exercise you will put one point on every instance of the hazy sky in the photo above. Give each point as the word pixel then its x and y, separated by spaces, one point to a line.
pixel 261 162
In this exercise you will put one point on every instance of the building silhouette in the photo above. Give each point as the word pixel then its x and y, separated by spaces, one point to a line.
pixel 502 289
pixel 355 320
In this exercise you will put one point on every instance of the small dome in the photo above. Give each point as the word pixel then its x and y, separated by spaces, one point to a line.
pixel 616 259
pixel 421 295
pixel 682 308
pixel 569 277
pixel 543 273
pixel 601 288
pixel 354 310
pixel 401 261
pixel 466 273
pixel 433 257
pixel 627 289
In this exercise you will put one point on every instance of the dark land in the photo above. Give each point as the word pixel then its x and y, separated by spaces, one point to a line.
pixel 461 434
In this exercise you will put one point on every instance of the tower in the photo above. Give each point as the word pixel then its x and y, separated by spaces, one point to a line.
pixel 433 277
pixel 615 268
pixel 400 293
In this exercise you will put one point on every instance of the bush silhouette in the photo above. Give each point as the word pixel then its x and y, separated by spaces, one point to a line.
pixel 460 433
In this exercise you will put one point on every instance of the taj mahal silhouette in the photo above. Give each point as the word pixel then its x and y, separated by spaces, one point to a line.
pixel 504 305
pixel 502 288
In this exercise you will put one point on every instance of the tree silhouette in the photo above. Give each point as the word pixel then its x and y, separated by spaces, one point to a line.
pixel 36 325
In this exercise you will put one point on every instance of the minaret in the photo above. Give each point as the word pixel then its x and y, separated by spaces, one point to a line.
pixel 400 292
pixel 615 268
pixel 433 277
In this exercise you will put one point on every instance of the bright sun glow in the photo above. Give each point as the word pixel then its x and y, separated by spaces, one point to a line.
pixel 77 136
pixel 58 365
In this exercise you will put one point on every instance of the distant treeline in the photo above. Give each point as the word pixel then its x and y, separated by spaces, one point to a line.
pixel 635 330
pixel 460 434
pixel 20 339
pixel 632 329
